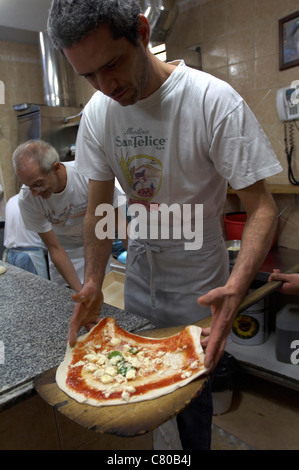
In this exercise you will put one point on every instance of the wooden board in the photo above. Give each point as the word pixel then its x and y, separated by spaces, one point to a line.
pixel 127 420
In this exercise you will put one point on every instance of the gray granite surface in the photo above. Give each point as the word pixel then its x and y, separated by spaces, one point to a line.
pixel 34 319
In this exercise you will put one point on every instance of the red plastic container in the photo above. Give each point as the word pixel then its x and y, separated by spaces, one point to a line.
pixel 234 223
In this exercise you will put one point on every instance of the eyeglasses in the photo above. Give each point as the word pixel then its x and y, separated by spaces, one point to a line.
pixel 42 187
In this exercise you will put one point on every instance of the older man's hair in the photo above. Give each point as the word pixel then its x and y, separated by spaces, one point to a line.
pixel 69 21
pixel 37 151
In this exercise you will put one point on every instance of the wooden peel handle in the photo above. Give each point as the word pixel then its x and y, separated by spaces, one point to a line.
pixel 266 289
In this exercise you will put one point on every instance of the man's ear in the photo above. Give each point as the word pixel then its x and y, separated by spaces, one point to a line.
pixel 143 30
pixel 56 166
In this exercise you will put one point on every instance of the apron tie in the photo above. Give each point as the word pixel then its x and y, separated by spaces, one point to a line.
pixel 144 248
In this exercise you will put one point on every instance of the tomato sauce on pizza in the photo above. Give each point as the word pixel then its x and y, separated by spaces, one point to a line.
pixel 110 366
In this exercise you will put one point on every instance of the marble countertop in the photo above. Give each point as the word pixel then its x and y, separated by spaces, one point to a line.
pixel 34 319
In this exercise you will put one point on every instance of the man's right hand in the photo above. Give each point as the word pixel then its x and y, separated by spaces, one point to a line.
pixel 86 312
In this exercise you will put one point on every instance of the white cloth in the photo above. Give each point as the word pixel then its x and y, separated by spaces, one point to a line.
pixel 15 232
pixel 17 236
pixel 63 212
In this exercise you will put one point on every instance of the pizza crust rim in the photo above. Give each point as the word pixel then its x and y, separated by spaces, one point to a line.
pixel 62 371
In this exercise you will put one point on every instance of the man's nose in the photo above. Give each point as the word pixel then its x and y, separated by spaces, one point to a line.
pixel 105 83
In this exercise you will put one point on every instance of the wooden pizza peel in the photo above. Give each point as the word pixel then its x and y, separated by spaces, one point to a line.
pixel 133 419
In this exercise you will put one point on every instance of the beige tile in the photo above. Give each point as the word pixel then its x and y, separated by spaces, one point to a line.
pixel 266 42
pixel 191 31
pixel 214 20
pixel 271 9
pixel 214 53
pixel 221 73
pixel 241 46
pixel 266 112
pixel 266 69
pixel 241 75
pixel 241 15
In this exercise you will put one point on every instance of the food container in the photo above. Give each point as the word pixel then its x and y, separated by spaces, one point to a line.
pixel 234 223
pixel 224 382
pixel 287 334
pixel 250 328
pixel 233 248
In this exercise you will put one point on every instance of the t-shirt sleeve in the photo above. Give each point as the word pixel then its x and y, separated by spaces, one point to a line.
pixel 33 215
pixel 91 158
pixel 241 151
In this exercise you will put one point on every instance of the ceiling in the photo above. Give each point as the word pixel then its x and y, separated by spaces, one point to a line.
pixel 20 20
pixel 30 15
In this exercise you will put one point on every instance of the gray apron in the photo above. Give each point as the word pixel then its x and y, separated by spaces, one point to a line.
pixel 164 281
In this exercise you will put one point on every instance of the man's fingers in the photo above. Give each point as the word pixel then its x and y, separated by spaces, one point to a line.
pixel 79 298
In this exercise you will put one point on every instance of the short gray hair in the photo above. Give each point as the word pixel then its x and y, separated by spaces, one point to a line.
pixel 69 21
pixel 38 151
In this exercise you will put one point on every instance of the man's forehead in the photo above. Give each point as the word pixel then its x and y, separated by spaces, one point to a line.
pixel 93 52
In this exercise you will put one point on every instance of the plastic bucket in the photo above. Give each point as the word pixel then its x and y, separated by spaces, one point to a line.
pixel 234 223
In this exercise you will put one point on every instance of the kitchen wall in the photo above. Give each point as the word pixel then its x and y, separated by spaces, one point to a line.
pixel 21 73
pixel 239 44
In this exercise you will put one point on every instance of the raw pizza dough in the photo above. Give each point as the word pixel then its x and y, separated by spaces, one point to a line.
pixel 2 270
pixel 110 366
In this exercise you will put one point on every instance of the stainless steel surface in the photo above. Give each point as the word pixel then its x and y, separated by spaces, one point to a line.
pixel 57 74
pixel 161 15
pixel 48 123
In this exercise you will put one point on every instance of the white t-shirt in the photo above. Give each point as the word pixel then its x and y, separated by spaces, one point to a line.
pixel 180 145
pixel 15 232
pixel 64 213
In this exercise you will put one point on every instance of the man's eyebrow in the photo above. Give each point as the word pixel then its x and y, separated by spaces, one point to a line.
pixel 88 74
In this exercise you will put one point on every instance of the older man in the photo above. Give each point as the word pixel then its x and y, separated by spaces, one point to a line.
pixel 53 202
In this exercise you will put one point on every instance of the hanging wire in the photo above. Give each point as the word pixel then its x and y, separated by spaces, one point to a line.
pixel 289 150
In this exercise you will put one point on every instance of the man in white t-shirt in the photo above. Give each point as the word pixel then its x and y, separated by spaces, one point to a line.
pixel 53 203
pixel 23 248
pixel 171 135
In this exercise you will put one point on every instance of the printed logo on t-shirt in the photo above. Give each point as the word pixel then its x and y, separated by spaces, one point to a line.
pixel 69 215
pixel 144 174
pixel 134 138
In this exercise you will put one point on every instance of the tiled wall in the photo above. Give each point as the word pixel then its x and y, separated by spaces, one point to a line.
pixel 239 44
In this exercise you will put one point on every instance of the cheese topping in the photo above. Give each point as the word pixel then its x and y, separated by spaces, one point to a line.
pixel 115 369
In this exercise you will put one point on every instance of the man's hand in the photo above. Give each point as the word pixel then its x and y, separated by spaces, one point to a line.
pixel 87 310
pixel 290 282
pixel 223 309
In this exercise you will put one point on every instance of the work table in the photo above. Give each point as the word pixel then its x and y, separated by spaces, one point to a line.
pixel 34 320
